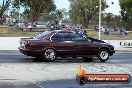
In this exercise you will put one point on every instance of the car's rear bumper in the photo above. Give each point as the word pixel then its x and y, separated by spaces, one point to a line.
pixel 29 52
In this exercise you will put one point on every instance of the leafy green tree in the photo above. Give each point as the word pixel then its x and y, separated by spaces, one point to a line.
pixel 14 13
pixel 26 14
pixel 126 12
pixel 58 14
pixel 113 20
pixel 82 11
pixel 65 15
pixel 4 6
pixel 34 8
pixel 54 15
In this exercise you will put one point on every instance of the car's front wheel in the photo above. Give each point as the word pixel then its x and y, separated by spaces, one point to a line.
pixel 103 55
pixel 49 55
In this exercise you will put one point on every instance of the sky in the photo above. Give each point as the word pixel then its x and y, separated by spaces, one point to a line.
pixel 115 8
pixel 62 4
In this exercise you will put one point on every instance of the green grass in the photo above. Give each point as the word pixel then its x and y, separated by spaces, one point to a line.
pixel 116 37
pixel 110 36
pixel 19 34
pixel 6 32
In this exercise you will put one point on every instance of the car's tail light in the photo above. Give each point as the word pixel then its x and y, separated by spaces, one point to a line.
pixel 24 44
pixel 27 42
pixel 27 45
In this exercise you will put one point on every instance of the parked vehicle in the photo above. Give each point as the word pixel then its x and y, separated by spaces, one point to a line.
pixel 121 31
pixel 51 44
pixel 107 30
pixel 104 30
pixel 41 24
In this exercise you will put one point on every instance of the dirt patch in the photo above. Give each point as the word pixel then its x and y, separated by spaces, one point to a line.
pixel 8 32
pixel 110 36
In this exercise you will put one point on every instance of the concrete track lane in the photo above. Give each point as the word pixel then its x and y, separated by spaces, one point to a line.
pixel 19 71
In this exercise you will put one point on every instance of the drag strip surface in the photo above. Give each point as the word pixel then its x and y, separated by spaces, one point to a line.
pixel 19 71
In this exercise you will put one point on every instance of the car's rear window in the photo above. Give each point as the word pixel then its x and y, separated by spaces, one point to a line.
pixel 42 35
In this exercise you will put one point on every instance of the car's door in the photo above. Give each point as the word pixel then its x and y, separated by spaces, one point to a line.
pixel 63 44
pixel 83 45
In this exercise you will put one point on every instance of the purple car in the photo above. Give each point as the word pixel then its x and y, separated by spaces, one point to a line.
pixel 49 45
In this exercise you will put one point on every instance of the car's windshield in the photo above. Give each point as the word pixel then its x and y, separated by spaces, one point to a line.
pixel 42 35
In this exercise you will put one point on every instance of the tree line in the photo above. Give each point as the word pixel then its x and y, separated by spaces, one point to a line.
pixel 87 12
pixel 82 12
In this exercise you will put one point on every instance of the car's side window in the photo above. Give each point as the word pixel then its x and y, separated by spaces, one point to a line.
pixel 77 37
pixel 56 38
pixel 65 36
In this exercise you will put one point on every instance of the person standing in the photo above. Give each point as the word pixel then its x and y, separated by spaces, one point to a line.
pixel 48 25
pixel 14 21
pixel 30 26
pixel 21 25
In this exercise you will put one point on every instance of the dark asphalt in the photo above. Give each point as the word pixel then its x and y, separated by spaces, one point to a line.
pixel 17 57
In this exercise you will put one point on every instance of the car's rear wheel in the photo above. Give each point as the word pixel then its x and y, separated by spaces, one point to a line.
pixel 49 55
pixel 103 55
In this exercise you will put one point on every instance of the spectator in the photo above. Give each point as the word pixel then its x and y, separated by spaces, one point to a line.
pixel 123 31
pixel 14 21
pixel 52 27
pixel 49 25
pixel 106 32
pixel 96 28
pixel 69 27
pixel 30 26
pixel 21 25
